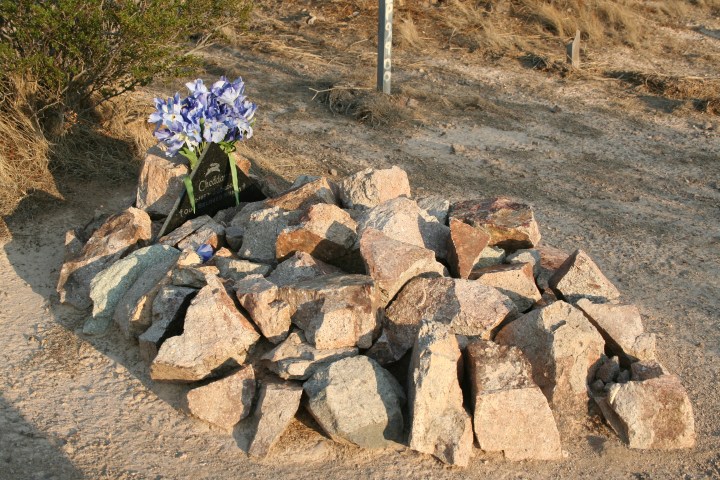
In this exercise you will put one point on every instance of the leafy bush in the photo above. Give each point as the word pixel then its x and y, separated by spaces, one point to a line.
pixel 61 59
pixel 84 52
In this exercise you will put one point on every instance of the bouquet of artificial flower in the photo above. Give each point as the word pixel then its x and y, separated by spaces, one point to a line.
pixel 220 114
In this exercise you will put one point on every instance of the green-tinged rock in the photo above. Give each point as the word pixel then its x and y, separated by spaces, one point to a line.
pixel 110 285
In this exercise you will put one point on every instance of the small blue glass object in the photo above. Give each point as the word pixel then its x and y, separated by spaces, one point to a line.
pixel 205 251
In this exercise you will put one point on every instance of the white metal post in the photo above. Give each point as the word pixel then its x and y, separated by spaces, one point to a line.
pixel 384 64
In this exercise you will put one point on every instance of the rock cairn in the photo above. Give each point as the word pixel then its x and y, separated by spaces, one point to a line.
pixel 314 296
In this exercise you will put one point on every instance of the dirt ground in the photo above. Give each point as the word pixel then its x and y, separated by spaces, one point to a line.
pixel 631 177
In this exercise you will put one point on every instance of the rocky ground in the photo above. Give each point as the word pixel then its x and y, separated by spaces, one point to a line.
pixel 626 176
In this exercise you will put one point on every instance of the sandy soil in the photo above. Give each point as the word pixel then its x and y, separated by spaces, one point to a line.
pixel 632 179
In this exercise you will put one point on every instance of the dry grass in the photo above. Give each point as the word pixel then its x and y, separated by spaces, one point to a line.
pixel 703 92
pixel 24 151
pixel 365 104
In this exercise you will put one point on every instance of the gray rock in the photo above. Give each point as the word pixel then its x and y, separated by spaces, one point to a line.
pixel 356 401
pixel 212 233
pixel 119 235
pixel 489 257
pixel 295 359
pixel 133 313
pixel 184 230
pixel 529 255
pixel 262 232
pixel 564 350
pixel 109 286
pixel 435 235
pixel 439 424
pixel 194 277
pixel 235 270
pixel 645 370
pixel 168 312
pixel 651 414
pixel 215 333
pixel 357 291
pixel 313 192
pixel 609 370
pixel 435 206
pixel 371 187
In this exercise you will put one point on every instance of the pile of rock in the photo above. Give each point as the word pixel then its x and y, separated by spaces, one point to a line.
pixel 389 319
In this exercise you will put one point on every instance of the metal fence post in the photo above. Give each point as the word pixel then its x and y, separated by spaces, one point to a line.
pixel 384 64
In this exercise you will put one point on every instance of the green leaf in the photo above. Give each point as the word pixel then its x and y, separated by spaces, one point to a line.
pixel 190 191
pixel 192 156
pixel 233 170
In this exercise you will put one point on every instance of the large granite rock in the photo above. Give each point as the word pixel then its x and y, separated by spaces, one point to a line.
pixel 185 230
pixel 622 328
pixel 563 348
pixel 160 183
pixel 579 277
pixel 468 307
pixel 398 218
pixel 224 402
pixel 109 287
pixel 262 231
pixel 295 359
pixel 260 298
pixel 168 313
pixel 133 313
pixel 119 235
pixel 510 413
pixel 392 263
pixel 371 187
pixel 215 332
pixel 300 266
pixel 511 225
pixel 356 291
pixel 355 400
pixel 332 323
pixel 528 255
pixel 325 231
pixel 651 414
pixel 301 197
pixel 275 408
pixel 514 280
pixel 439 424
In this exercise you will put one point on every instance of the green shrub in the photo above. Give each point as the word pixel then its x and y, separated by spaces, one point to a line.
pixel 84 52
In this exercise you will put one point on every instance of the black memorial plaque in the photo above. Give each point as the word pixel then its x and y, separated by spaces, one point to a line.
pixel 212 188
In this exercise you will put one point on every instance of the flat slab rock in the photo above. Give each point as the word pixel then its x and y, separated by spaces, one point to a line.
pixel 622 328
pixel 355 400
pixel 109 287
pixel 298 267
pixel 511 224
pixel 651 414
pixel 514 280
pixel 439 424
pixel 357 291
pixel 325 231
pixel 167 315
pixel 563 348
pixel 319 190
pixel 262 230
pixel 275 408
pixel 468 307
pixel 579 277
pixel 371 187
pixel 398 218
pixel 117 236
pixel 215 332
pixel 224 402
pixel 296 359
